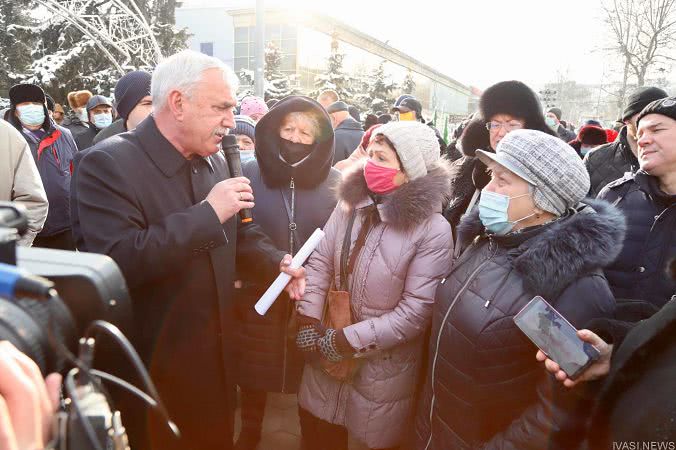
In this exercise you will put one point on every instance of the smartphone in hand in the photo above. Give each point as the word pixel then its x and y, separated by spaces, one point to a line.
pixel 556 337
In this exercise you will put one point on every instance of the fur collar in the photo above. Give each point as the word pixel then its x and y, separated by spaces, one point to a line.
pixel 557 254
pixel 408 206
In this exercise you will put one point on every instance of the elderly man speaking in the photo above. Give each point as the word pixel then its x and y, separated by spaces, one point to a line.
pixel 160 201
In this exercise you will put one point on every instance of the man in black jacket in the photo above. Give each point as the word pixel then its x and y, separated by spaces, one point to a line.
pixel 132 102
pixel 612 160
pixel 347 130
pixel 648 199
pixel 160 201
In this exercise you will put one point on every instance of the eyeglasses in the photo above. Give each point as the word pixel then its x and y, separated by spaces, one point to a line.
pixel 509 126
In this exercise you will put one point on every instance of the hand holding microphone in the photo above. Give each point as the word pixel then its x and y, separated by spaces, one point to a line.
pixel 231 196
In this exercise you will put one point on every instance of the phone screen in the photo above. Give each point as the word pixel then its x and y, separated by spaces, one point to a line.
pixel 555 336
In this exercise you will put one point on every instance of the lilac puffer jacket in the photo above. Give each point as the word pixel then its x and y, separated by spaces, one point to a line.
pixel 392 291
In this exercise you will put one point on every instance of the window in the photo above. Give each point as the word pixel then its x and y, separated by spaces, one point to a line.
pixel 207 48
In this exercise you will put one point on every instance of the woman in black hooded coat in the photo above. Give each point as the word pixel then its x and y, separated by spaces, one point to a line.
pixel 292 180
pixel 468 174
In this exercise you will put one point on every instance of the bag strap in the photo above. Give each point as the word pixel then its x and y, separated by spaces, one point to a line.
pixel 345 251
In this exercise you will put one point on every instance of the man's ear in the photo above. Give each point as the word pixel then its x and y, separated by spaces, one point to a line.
pixel 176 102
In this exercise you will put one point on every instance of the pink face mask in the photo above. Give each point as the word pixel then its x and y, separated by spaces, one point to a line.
pixel 379 179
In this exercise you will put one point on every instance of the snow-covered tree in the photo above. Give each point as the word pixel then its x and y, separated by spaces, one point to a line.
pixel 15 42
pixel 376 91
pixel 277 83
pixel 335 77
pixel 64 59
pixel 408 86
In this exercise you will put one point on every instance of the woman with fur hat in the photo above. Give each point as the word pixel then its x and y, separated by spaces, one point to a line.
pixel 388 246
pixel 503 107
pixel 529 236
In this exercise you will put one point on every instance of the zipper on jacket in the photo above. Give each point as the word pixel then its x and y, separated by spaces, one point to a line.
pixel 441 330
pixel 287 314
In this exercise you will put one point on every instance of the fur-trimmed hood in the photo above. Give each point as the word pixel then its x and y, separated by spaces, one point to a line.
pixel 553 256
pixel 410 204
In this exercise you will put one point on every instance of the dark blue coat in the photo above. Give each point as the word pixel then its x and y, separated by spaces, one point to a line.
pixel 484 388
pixel 53 155
pixel 638 278
pixel 268 358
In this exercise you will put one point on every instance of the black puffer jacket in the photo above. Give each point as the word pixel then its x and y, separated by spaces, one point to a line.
pixel 268 359
pixel 484 388
pixel 609 162
pixel 637 277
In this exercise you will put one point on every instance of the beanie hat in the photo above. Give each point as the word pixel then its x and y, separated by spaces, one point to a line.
pixel 253 105
pixel 664 107
pixel 556 111
pixel 98 100
pixel 79 99
pixel 336 107
pixel 557 173
pixel 246 126
pixel 21 93
pixel 129 91
pixel 366 138
pixel 640 98
pixel 416 145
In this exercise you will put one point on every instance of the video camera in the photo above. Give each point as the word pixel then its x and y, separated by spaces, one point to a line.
pixel 49 298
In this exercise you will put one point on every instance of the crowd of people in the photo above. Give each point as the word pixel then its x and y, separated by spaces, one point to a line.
pixel 399 330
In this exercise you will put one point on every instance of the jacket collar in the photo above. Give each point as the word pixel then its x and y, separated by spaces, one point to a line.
pixel 552 256
pixel 625 149
pixel 408 206
pixel 163 153
pixel 349 124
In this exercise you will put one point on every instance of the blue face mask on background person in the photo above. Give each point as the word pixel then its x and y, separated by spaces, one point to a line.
pixel 585 150
pixel 493 209
pixel 247 155
pixel 31 115
pixel 103 120
pixel 551 123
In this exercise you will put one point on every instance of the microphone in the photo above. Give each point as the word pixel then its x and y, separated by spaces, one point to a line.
pixel 231 152
pixel 15 283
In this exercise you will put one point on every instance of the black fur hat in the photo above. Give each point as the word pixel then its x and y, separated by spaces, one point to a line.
pixel 507 97
pixel 516 99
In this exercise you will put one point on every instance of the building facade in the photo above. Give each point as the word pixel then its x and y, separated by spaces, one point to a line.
pixel 305 41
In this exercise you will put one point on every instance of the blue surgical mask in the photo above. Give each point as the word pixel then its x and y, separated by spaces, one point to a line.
pixel 31 115
pixel 551 123
pixel 247 155
pixel 585 150
pixel 103 120
pixel 493 209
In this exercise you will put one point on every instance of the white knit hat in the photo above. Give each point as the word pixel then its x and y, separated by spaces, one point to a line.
pixel 416 145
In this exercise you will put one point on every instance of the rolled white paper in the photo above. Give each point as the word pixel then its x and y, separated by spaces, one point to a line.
pixel 276 288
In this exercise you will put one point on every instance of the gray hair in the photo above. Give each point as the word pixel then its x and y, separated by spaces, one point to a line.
pixel 181 72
